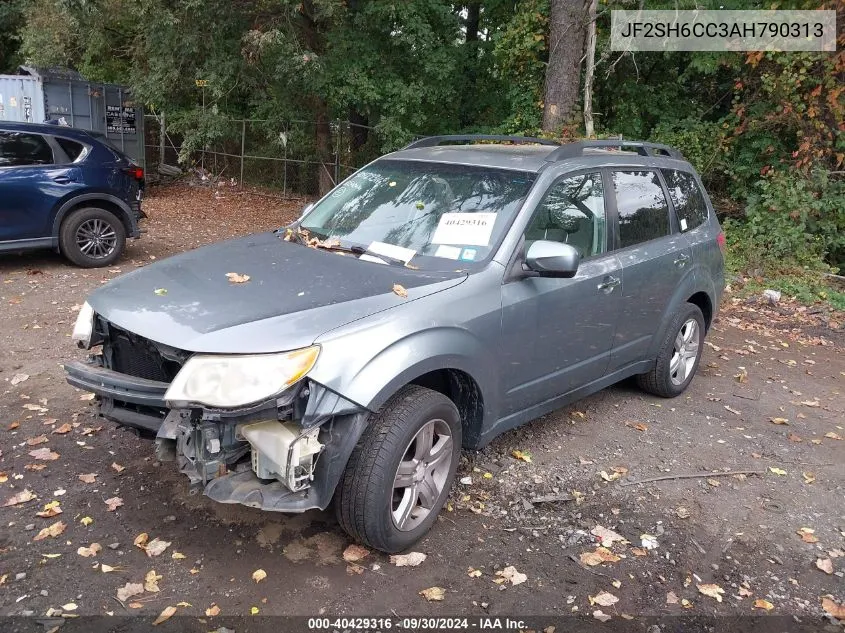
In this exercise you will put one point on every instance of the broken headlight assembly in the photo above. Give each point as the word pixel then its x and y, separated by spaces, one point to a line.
pixel 229 381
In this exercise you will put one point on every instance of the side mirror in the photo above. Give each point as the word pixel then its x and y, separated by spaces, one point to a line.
pixel 552 259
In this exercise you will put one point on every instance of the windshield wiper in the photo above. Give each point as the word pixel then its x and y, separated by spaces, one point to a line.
pixel 360 250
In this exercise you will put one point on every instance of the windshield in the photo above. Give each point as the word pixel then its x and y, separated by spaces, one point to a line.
pixel 420 210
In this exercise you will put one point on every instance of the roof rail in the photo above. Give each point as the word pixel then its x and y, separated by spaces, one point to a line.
pixel 643 148
pixel 434 141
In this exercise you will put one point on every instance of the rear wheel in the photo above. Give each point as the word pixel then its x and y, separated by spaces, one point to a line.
pixel 400 473
pixel 92 237
pixel 679 355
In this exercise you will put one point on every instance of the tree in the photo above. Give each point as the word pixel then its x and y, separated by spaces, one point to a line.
pixel 567 28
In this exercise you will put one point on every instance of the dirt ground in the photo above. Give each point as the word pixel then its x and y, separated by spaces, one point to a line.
pixel 767 400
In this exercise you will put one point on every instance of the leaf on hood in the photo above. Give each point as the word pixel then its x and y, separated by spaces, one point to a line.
pixel 408 560
pixel 433 594
pixel 237 278
pixel 164 615
pixel 22 497
pixel 151 581
pixel 807 535
pixel 128 590
pixel 35 441
pixel 759 603
pixel 89 551
pixel 113 504
pixel 354 553
pixel 825 564
pixel 258 575
pixel 599 556
pixel 603 599
pixel 44 454
pixel 88 478
pixel 399 290
pixel 510 573
pixel 606 536
pixel 51 531
pixel 50 510
pixel 712 590
pixel 156 547
pixel 64 429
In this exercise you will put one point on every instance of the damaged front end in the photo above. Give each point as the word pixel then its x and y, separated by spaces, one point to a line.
pixel 284 453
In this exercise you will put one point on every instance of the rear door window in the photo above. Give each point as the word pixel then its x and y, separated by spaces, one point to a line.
pixel 22 148
pixel 687 199
pixel 71 148
pixel 642 207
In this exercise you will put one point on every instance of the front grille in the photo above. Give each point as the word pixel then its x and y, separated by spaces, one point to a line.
pixel 134 355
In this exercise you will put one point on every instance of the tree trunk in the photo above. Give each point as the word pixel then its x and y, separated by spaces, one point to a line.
pixel 358 129
pixel 473 20
pixel 566 47
pixel 589 129
pixel 323 138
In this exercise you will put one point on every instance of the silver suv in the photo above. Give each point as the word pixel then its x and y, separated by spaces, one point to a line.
pixel 436 298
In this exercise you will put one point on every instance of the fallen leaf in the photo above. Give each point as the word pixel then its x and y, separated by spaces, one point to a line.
pixel 160 291
pixel 606 536
pixel 433 594
pixel 151 581
pixel 70 606
pixel 35 467
pixel 759 603
pixel 833 436
pixel 671 598
pixel 88 478
pixel 808 478
pixel 19 378
pixel 237 278
pixel 135 605
pixel 742 376
pixel 777 471
pixel 744 593
pixel 113 504
pixel 712 590
pixel 473 573
pixel 354 569
pixel 35 441
pixel 22 497
pixel 603 599
pixel 408 560
pixel 178 555
pixel 44 454
pixel 600 555
pixel 598 614
pixel 258 575
pixel 89 551
pixel 64 429
pixel 524 456
pixel 639 426
pixel 117 467
pixel 793 438
pixel 810 403
pixel 87 396
pixel 13 426
pixel 253 610
pixel 354 553
pixel 212 611
pixel 167 613
pixel 807 535
pixel 825 564
pixel 400 290
pixel 86 521
pixel 141 540
pixel 682 513
pixel 50 510
pixel 51 531
pixel 510 573
pixel 779 421
pixel 648 541
pixel 734 411
pixel 833 608
pixel 156 547
pixel 184 604
pixel 106 568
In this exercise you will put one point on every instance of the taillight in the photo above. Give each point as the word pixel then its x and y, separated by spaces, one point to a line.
pixel 720 240
pixel 135 171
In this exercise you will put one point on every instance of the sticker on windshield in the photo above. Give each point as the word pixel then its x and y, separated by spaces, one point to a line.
pixel 464 228
pixel 468 254
pixel 448 252
pixel 392 250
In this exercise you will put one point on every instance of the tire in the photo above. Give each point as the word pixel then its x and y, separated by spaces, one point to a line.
pixel 92 237
pixel 666 379
pixel 369 507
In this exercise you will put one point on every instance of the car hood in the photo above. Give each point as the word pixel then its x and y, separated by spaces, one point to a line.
pixel 294 294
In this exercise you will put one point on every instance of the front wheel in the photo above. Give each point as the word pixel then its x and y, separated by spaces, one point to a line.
pixel 679 355
pixel 399 475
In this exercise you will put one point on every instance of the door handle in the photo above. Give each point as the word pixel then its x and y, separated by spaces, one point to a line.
pixel 683 258
pixel 62 180
pixel 608 284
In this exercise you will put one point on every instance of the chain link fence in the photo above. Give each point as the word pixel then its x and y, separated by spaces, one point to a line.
pixel 264 153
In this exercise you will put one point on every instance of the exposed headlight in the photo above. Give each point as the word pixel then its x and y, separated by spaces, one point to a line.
pixel 237 381
pixel 84 326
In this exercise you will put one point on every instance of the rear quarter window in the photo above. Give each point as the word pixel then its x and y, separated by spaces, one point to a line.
pixel 642 207
pixel 71 148
pixel 689 203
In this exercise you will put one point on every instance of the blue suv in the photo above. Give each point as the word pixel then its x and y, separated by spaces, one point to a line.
pixel 67 189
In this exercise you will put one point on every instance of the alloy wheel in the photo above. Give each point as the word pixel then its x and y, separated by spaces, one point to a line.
pixel 684 353
pixel 96 238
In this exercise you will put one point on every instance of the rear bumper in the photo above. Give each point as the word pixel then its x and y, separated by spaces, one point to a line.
pixel 132 401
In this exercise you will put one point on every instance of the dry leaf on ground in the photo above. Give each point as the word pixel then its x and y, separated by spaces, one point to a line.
pixel 607 536
pixel 50 510
pixel 117 467
pixel 779 421
pixel 777 471
pixel 833 608
pixel 141 540
pixel 671 598
pixel 258 575
pixel 807 535
pixel 600 555
pixel 212 611
pixel 712 590
pixel 44 454
pixel 64 429
pixel 433 594
pixel 164 615
pixel 22 497
pixel 510 573
pixel 400 291
pixel 408 560
pixel 35 441
pixel 88 478
pixel 825 564
pixel 128 590
pixel 156 547
pixel 89 551
pixel 600 615
pixel 354 553
pixel 763 604
pixel 51 531
pixel 19 378
pixel 603 599
pixel 114 503
pixel 151 581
